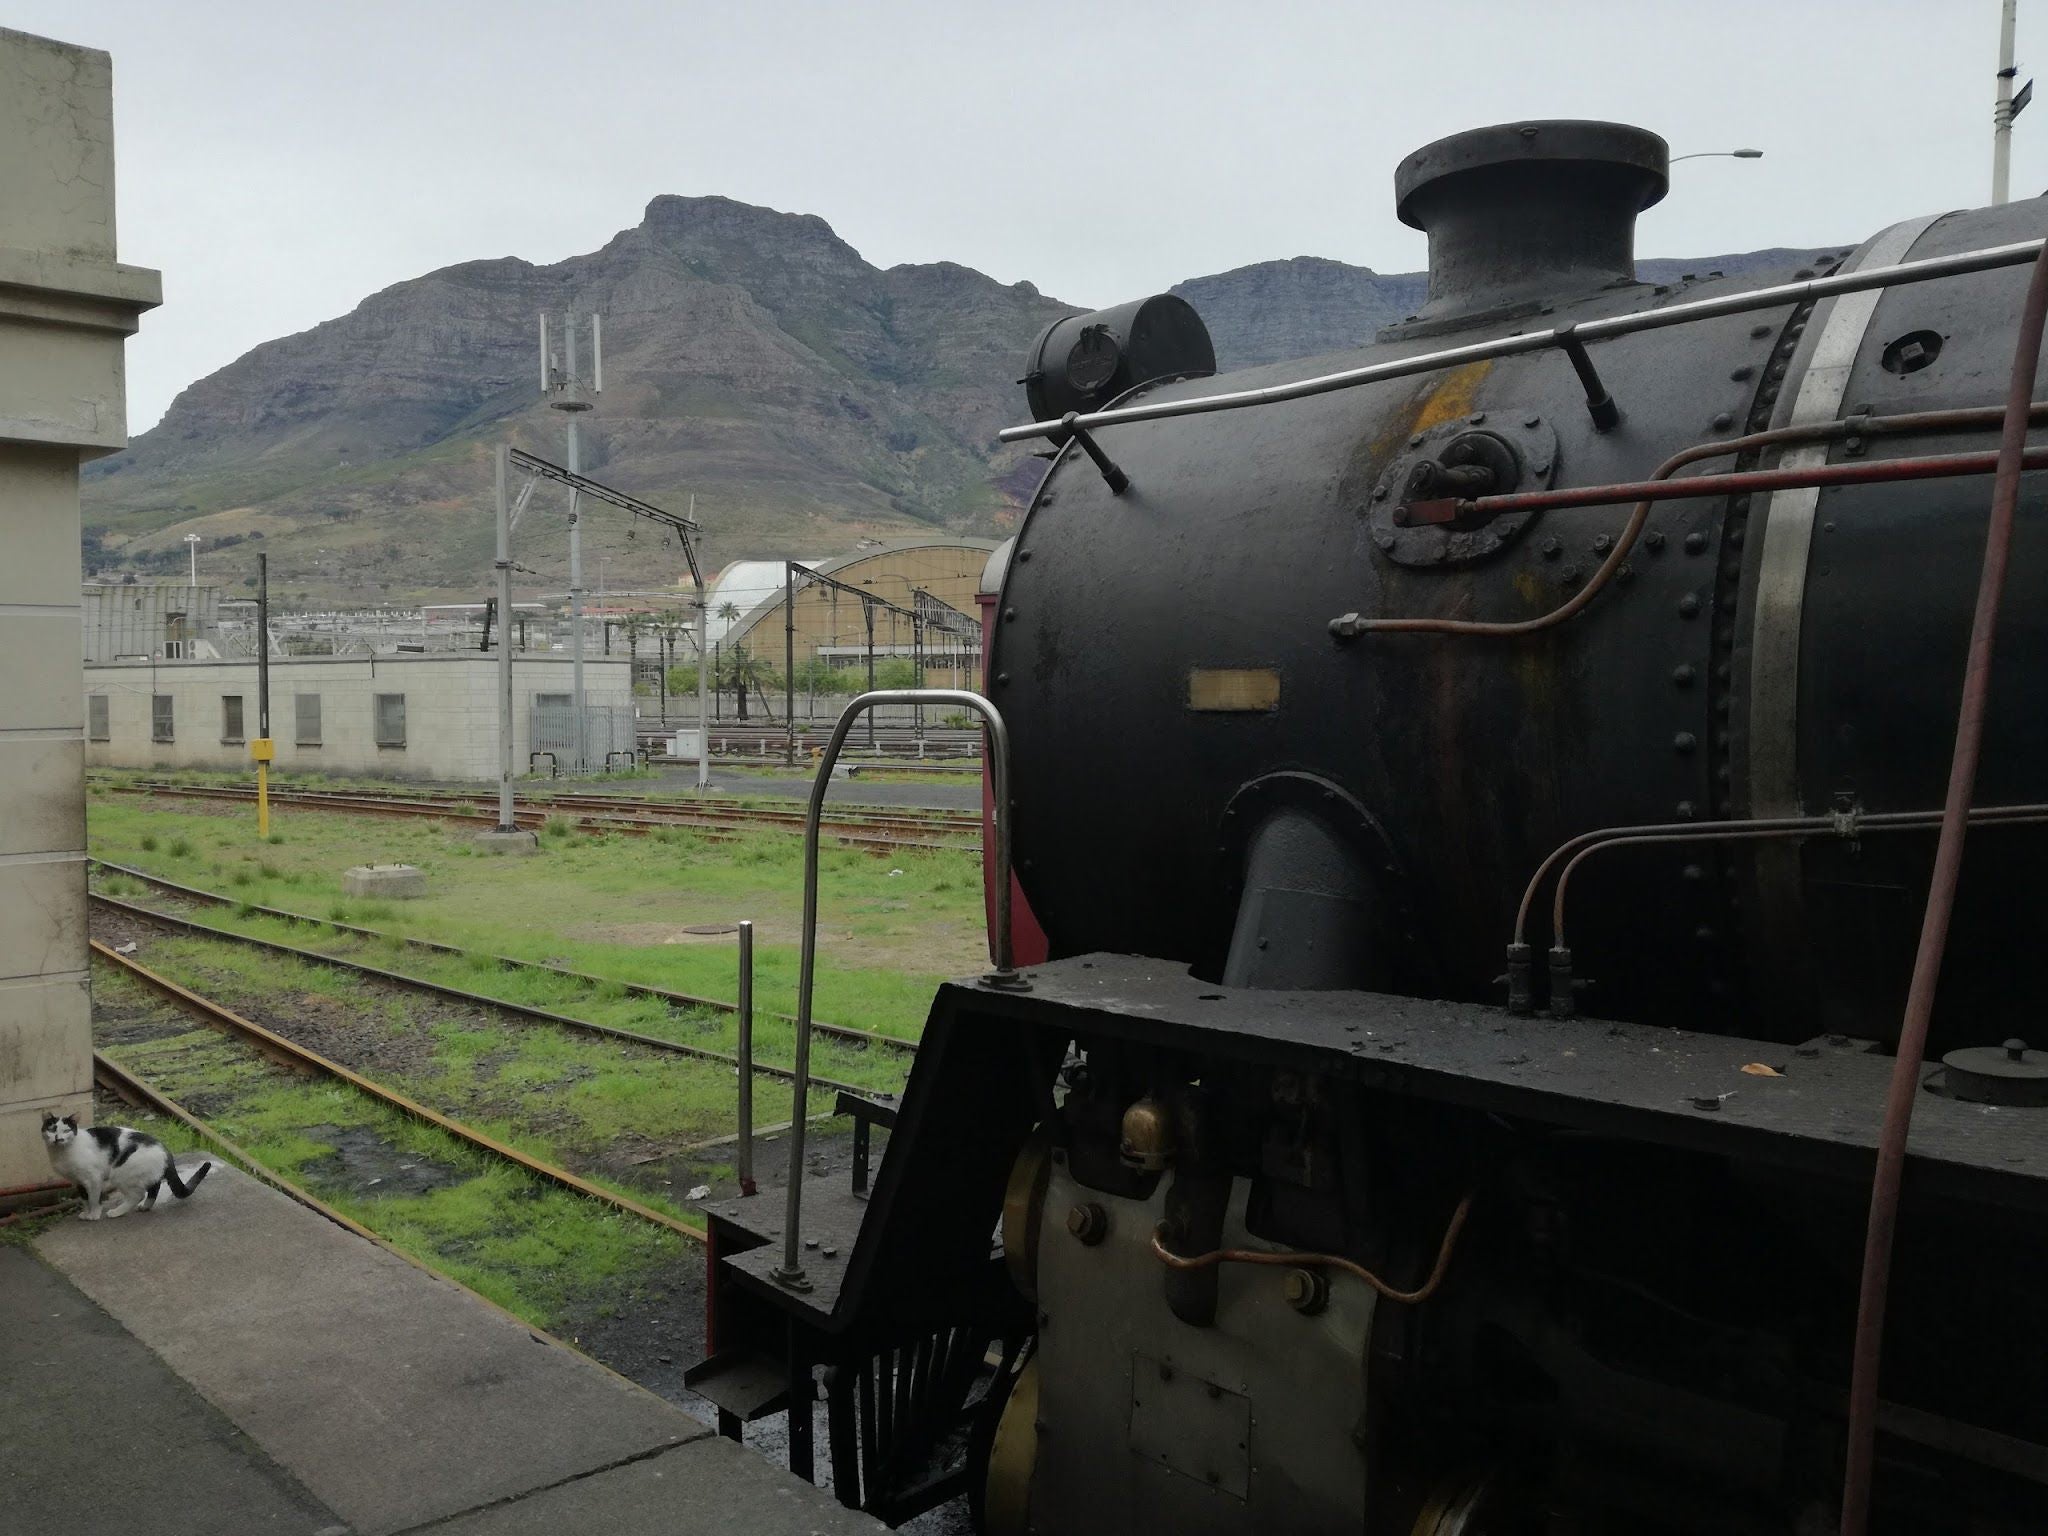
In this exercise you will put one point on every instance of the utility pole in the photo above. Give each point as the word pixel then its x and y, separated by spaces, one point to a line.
pixel 867 612
pixel 2006 106
pixel 192 549
pixel 262 749
pixel 503 565
pixel 789 658
pixel 703 682
pixel 565 394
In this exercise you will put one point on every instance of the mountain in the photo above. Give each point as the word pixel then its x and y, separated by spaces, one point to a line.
pixel 1273 311
pixel 754 359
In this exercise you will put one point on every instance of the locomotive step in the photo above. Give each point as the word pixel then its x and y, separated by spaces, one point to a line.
pixel 743 1383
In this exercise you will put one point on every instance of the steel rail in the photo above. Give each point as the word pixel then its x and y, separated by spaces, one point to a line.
pixel 124 1084
pixel 1606 329
pixel 632 988
pixel 858 817
pixel 461 995
pixel 273 1044
pixel 849 831
pixel 917 817
pixel 791 1271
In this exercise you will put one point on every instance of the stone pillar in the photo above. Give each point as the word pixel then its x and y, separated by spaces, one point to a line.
pixel 66 307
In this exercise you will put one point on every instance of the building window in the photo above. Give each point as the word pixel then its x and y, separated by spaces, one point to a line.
pixel 160 717
pixel 231 719
pixel 390 719
pixel 96 717
pixel 307 709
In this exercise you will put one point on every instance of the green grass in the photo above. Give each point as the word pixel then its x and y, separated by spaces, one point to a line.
pixel 528 1245
pixel 567 1098
pixel 598 902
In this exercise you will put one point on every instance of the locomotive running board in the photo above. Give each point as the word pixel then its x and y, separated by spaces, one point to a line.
pixel 1815 1114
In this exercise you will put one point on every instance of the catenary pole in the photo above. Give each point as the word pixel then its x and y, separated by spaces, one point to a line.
pixel 504 569
pixel 703 660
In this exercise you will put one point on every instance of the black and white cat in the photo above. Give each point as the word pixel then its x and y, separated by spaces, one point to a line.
pixel 113 1158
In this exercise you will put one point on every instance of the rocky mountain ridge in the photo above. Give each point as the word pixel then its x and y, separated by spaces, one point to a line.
pixel 755 360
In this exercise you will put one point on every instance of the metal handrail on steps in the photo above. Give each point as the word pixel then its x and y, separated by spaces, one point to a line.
pixel 1004 973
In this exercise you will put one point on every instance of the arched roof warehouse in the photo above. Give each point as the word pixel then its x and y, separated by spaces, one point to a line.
pixel 829 621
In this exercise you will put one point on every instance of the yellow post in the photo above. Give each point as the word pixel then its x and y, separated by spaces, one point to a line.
pixel 262 749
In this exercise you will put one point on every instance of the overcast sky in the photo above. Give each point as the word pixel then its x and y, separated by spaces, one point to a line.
pixel 279 161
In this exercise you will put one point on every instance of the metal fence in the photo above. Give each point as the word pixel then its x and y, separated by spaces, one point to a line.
pixel 606 728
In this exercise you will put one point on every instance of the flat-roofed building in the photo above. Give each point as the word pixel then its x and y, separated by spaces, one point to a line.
pixel 417 716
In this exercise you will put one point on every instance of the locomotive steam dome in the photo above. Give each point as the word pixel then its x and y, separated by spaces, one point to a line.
pixel 1222 763
pixel 1522 213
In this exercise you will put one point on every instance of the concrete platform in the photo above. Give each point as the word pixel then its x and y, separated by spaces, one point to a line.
pixel 295 1377
pixel 101 1435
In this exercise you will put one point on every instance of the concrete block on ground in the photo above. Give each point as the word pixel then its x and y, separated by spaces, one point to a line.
pixel 492 840
pixel 396 882
pixel 394 1397
pixel 103 1436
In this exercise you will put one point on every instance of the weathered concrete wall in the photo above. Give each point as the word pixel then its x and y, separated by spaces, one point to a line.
pixel 451 711
pixel 66 307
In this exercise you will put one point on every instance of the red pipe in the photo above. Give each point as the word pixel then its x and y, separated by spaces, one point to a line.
pixel 1972 418
pixel 1735 482
pixel 44 1188
pixel 1941 897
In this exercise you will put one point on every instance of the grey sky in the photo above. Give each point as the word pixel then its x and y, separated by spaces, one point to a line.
pixel 279 161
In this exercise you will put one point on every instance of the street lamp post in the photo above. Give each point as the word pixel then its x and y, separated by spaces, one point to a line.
pixel 192 550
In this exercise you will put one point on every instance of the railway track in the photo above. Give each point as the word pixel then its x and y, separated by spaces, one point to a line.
pixel 667 995
pixel 277 1047
pixel 400 980
pixel 880 833
pixel 771 738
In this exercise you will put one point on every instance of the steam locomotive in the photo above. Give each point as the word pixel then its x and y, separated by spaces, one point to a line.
pixel 1472 803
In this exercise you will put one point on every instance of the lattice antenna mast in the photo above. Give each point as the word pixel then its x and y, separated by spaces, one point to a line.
pixel 564 389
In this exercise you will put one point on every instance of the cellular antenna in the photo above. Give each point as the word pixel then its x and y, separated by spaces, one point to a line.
pixel 596 353
pixel 565 392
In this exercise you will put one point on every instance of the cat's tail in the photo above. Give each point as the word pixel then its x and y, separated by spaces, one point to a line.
pixel 182 1187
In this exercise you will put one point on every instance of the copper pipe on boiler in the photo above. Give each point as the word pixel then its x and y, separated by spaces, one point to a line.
pixel 1289 1260
pixel 1874 1291
pixel 1847 825
pixel 1643 492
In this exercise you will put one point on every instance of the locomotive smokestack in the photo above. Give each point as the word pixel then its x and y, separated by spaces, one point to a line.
pixel 1522 214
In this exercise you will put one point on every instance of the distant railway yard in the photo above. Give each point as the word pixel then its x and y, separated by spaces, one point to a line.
pixel 526 1079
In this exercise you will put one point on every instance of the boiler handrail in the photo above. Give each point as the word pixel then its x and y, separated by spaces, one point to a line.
pixel 1804 291
pixel 791 1272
